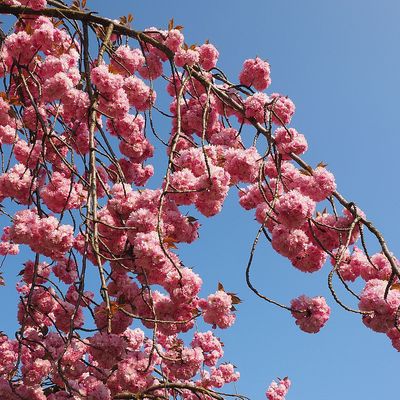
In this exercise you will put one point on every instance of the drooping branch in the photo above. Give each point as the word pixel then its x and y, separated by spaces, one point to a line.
pixel 135 231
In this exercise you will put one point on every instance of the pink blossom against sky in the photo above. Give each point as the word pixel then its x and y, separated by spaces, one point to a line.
pixel 338 63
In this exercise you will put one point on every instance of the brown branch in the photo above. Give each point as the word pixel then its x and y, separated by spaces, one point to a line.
pixel 92 201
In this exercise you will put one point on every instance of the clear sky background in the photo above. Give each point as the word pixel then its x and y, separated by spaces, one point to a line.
pixel 339 62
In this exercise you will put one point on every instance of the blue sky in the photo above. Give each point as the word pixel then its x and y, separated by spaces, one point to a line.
pixel 339 62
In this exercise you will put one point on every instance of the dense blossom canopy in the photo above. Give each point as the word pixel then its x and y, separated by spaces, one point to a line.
pixel 78 137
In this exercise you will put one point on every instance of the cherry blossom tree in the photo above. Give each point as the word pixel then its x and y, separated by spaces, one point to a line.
pixel 77 138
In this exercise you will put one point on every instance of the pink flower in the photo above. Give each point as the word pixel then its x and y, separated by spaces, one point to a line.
pixel 57 87
pixel 95 389
pixel 227 137
pixel 8 134
pixel 119 320
pixel 210 345
pixel 278 390
pixel 62 193
pixel 43 235
pixel 183 286
pixel 311 260
pixel 174 40
pixel 256 107
pixel 19 46
pixel 133 374
pixel 152 69
pixel 218 377
pixel 289 242
pixel 187 57
pixel 242 165
pixel 75 105
pixel 351 265
pixel 320 185
pixel 41 271
pixel 293 209
pixel 66 270
pixel 290 141
pixel 35 4
pixel 141 96
pixel 8 354
pixel 185 184
pixel 282 109
pixel 133 172
pixel 383 310
pixel 217 309
pixel 27 154
pixel 311 314
pixel 107 349
pixel 115 105
pixel 106 82
pixel 212 191
pixel 208 56
pixel 35 371
pixel 42 305
pixel 394 335
pixel 323 231
pixel 18 183
pixel 66 315
pixel 255 72
pixel 251 196
pixel 190 361
pixel 126 61
pixel 380 268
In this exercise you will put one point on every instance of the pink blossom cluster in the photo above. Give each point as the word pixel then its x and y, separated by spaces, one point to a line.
pixel 138 229
pixel 281 108
pixel 9 355
pixel 217 377
pixel 210 345
pixel 354 265
pixel 204 176
pixel 44 235
pixel 56 119
pixel 255 72
pixel 287 207
pixel 206 56
pixel 6 244
pixel 290 141
pixel 17 183
pixel 62 193
pixel 66 270
pixel 38 272
pixel 35 4
pixel 8 125
pixel 278 390
pixel 217 309
pixel 381 309
pixel 311 314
